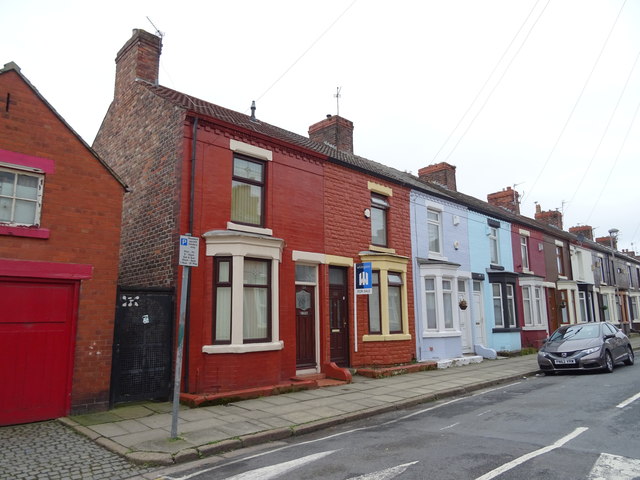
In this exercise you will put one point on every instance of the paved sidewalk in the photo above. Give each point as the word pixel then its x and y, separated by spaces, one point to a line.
pixel 141 432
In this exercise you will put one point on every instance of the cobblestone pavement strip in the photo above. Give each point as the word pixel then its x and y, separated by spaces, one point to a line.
pixel 50 450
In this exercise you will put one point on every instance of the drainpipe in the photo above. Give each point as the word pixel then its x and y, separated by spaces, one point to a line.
pixel 185 380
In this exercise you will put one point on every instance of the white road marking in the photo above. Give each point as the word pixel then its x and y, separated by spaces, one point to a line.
pixel 498 388
pixel 614 466
pixel 387 474
pixel 450 426
pixel 628 401
pixel 518 461
pixel 484 413
pixel 268 472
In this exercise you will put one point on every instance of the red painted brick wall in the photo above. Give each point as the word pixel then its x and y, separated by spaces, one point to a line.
pixel 347 233
pixel 82 204
pixel 294 211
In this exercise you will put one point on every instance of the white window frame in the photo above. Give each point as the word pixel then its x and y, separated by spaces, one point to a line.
pixel 239 246
pixel 494 241
pixel 444 327
pixel 538 310
pixel 38 201
pixel 437 224
pixel 495 297
pixel 524 252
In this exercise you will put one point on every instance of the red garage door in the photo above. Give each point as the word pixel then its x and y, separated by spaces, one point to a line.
pixel 37 325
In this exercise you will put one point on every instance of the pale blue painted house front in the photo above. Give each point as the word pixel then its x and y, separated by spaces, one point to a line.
pixel 493 299
pixel 442 278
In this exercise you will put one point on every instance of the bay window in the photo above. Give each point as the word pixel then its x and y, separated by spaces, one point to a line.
pixel 245 307
pixel 504 300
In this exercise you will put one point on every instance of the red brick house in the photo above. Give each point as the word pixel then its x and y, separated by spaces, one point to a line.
pixel 60 209
pixel 366 220
pixel 274 243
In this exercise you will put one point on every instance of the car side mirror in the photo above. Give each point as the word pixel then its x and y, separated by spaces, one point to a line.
pixel 608 336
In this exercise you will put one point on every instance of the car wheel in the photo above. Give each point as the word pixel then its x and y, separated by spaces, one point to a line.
pixel 630 356
pixel 608 362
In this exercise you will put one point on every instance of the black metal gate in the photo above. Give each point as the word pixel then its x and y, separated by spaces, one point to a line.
pixel 142 340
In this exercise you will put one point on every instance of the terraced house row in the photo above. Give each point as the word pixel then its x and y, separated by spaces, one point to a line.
pixel 282 220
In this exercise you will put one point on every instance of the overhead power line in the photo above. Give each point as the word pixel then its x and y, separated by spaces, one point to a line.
pixel 615 109
pixel 584 87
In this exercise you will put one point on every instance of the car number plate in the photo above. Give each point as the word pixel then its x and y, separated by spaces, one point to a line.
pixel 565 361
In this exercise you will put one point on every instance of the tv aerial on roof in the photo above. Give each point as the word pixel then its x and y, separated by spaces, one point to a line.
pixel 158 32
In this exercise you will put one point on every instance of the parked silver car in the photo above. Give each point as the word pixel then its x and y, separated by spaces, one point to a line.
pixel 585 346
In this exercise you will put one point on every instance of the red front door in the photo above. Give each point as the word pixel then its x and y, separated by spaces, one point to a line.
pixel 36 349
pixel 339 316
pixel 305 327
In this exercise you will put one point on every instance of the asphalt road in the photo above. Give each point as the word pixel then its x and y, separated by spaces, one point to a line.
pixel 567 426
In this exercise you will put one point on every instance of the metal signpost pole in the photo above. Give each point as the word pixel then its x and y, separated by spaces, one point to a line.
pixel 189 253
pixel 176 383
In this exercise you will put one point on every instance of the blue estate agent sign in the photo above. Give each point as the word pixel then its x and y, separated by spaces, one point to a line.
pixel 363 278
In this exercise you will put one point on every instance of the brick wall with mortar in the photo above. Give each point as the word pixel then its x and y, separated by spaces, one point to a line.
pixel 507 199
pixel 82 204
pixel 347 233
pixel 141 138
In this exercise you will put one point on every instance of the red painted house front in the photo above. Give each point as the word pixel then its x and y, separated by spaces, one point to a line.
pixel 529 262
pixel 252 193
pixel 60 210
pixel 272 297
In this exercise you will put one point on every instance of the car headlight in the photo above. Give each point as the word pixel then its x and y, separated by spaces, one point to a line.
pixel 591 350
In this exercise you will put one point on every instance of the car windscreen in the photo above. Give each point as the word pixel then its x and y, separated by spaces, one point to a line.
pixel 575 332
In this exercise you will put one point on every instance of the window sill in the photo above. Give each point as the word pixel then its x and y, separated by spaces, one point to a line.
pixel 375 248
pixel 392 337
pixel 506 330
pixel 244 348
pixel 30 232
pixel 439 334
pixel 533 328
pixel 249 229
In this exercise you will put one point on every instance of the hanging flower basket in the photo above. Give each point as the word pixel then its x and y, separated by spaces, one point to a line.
pixel 604 307
pixel 462 304
pixel 562 305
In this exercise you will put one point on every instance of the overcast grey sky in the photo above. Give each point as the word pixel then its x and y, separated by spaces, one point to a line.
pixel 539 95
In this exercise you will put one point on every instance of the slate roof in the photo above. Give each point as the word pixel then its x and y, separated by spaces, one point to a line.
pixel 204 108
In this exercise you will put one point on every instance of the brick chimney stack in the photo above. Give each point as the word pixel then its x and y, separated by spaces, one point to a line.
pixel 508 199
pixel 550 217
pixel 606 241
pixel 138 58
pixel 585 230
pixel 334 130
pixel 441 173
